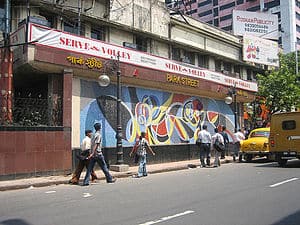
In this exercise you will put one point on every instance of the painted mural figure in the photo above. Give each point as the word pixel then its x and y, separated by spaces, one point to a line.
pixel 83 158
pixel 205 139
pixel 97 156
pixel 141 150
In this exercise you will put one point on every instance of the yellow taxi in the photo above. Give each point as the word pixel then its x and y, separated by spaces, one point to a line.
pixel 257 144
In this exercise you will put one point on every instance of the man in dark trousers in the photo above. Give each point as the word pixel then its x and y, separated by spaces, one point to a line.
pixel 83 161
pixel 97 156
pixel 205 139
pixel 226 141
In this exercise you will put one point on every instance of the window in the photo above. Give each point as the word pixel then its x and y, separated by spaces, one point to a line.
pixel 216 2
pixel 189 57
pixel 272 4
pixel 208 12
pixel 203 61
pixel 227 17
pixel 141 43
pixel 2 16
pixel 218 65
pixel 176 54
pixel 227 6
pixel 98 33
pixel 289 125
pixel 228 28
pixel 204 3
pixel 216 12
pixel 237 70
pixel 72 28
pixel 216 22
pixel 254 8
pixel 227 66
pixel 249 74
pixel 239 2
pixel 50 18
pixel 191 12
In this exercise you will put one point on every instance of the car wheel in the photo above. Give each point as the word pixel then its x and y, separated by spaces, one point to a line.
pixel 248 158
pixel 282 162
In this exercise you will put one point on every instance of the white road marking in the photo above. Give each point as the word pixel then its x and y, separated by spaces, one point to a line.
pixel 283 182
pixel 85 195
pixel 168 218
pixel 49 192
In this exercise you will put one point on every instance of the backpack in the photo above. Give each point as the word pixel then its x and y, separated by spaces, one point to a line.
pixel 218 145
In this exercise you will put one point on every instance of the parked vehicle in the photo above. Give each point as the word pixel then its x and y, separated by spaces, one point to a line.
pixel 257 144
pixel 285 136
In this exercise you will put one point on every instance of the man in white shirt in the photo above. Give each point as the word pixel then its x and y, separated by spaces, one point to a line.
pixel 205 139
pixel 237 137
pixel 219 137
pixel 83 158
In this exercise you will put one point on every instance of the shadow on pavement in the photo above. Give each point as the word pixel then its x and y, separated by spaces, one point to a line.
pixel 290 164
pixel 292 219
pixel 14 222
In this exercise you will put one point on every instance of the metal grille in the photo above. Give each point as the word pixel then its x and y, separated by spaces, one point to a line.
pixel 33 112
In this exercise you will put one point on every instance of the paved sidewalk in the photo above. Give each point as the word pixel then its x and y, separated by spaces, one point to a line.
pixel 55 180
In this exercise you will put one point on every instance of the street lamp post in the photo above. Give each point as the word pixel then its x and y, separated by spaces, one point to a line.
pixel 114 67
pixel 232 98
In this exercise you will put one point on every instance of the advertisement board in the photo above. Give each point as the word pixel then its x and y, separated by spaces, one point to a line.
pixel 44 36
pixel 258 24
pixel 261 51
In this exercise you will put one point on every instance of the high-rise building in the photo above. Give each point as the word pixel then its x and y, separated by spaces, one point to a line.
pixel 219 14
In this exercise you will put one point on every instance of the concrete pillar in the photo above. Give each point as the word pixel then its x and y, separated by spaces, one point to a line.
pixel 67 97
pixel 6 86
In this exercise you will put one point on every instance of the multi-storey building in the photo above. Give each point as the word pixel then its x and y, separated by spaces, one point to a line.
pixel 175 73
pixel 219 14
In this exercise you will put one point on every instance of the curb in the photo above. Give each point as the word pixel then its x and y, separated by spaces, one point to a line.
pixel 119 175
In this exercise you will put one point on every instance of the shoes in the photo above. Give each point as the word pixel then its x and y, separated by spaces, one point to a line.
pixel 112 181
pixel 215 166
pixel 222 157
pixel 71 182
pixel 203 166
pixel 136 176
pixel 144 175
pixel 85 184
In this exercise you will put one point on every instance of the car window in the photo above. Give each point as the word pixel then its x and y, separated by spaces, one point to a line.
pixel 260 134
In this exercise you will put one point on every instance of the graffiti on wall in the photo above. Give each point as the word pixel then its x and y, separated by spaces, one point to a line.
pixel 167 118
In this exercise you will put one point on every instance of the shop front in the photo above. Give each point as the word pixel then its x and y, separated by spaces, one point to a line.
pixel 168 100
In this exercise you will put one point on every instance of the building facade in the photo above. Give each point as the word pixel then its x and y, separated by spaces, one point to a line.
pixel 219 14
pixel 175 74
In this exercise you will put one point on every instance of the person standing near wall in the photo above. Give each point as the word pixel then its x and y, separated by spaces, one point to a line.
pixel 204 138
pixel 97 156
pixel 141 150
pixel 226 142
pixel 85 149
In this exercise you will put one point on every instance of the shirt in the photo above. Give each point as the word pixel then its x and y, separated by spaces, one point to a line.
pixel 86 144
pixel 204 136
pixel 217 136
pixel 97 139
pixel 142 147
pixel 238 136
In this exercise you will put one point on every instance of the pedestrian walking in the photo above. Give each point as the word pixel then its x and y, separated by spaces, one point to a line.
pixel 97 156
pixel 204 138
pixel 140 149
pixel 238 137
pixel 217 137
pixel 226 142
pixel 85 149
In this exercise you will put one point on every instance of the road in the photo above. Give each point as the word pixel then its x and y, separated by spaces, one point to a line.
pixel 258 193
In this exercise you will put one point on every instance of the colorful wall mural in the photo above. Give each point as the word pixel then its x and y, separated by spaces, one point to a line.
pixel 167 118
